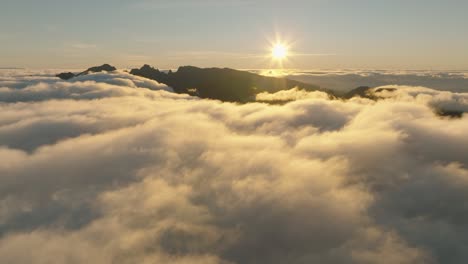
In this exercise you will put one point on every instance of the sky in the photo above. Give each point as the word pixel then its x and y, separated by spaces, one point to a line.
pixel 370 34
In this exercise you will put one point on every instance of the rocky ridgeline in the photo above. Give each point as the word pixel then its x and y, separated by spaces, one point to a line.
pixel 214 83
pixel 69 75
pixel 231 85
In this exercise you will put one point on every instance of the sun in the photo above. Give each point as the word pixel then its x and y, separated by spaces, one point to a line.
pixel 279 51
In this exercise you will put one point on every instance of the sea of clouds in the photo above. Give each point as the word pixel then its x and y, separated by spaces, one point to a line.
pixel 345 80
pixel 114 168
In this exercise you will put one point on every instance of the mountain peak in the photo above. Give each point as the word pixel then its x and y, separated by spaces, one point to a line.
pixel 105 67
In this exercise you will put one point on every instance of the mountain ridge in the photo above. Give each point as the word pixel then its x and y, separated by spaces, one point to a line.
pixel 223 84
pixel 69 75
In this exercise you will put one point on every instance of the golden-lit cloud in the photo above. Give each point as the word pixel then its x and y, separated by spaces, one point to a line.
pixel 116 168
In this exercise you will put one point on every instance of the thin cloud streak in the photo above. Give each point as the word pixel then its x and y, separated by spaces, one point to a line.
pixel 211 54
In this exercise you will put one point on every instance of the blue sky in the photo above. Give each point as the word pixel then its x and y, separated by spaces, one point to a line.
pixel 380 34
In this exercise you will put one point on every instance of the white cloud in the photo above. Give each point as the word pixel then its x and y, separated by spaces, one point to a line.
pixel 99 170
pixel 97 85
pixel 445 100
pixel 83 46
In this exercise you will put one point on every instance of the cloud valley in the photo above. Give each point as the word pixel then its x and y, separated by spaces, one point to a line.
pixel 112 167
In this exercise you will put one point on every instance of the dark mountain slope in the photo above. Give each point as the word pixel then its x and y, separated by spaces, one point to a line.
pixel 221 83
pixel 69 75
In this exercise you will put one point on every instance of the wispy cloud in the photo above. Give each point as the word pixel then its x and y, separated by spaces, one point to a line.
pixel 212 54
pixel 80 45
pixel 234 55
pixel 189 3
pixel 311 54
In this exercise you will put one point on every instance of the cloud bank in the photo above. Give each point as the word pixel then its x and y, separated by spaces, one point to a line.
pixel 114 168
pixel 346 80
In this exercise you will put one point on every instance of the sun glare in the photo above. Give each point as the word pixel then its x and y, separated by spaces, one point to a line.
pixel 279 51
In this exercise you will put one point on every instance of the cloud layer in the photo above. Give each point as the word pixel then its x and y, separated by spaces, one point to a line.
pixel 346 80
pixel 114 168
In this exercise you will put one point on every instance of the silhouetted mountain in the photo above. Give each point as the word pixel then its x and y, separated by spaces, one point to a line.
pixel 385 89
pixel 238 86
pixel 450 113
pixel 151 73
pixel 361 91
pixel 65 75
pixel 69 75
pixel 104 67
pixel 366 92
pixel 221 83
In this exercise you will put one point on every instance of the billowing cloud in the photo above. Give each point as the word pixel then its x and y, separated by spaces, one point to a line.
pixel 290 95
pixel 439 100
pixel 93 86
pixel 114 168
